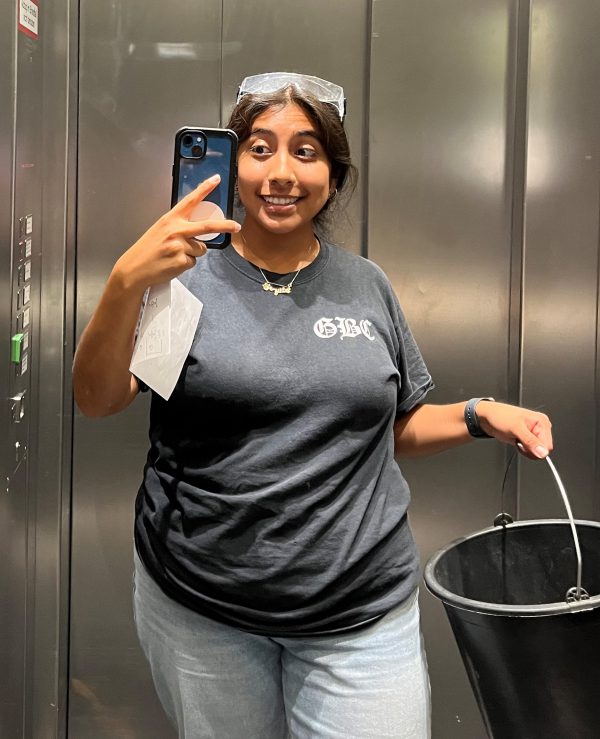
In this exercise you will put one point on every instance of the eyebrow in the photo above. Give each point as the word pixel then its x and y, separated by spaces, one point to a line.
pixel 267 131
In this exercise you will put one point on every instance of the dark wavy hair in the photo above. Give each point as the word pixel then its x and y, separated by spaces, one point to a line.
pixel 330 131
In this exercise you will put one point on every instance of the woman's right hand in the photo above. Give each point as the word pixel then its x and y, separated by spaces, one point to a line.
pixel 168 247
pixel 102 381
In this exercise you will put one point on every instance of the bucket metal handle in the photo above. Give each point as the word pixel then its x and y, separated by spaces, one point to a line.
pixel 576 593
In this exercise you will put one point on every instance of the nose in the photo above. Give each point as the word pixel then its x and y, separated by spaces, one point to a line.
pixel 282 169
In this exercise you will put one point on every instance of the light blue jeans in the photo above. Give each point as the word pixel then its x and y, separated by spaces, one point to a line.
pixel 218 682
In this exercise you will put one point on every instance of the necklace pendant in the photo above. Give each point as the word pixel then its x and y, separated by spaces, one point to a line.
pixel 267 287
pixel 285 290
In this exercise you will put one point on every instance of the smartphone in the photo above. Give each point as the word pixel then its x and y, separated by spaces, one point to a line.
pixel 199 154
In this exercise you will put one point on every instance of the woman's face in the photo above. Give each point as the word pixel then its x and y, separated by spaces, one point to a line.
pixel 284 175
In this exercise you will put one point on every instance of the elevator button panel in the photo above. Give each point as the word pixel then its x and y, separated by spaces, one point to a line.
pixel 23 297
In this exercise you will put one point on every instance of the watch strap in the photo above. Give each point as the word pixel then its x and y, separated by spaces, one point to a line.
pixel 472 420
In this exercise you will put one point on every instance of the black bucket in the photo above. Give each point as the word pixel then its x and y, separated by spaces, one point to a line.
pixel 533 658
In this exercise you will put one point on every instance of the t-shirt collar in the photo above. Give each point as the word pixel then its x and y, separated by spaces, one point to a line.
pixel 251 270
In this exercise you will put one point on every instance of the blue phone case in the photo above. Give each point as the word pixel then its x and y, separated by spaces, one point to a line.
pixel 199 154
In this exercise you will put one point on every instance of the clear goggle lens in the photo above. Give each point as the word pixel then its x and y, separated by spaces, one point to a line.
pixel 322 90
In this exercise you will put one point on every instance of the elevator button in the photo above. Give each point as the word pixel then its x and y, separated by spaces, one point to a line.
pixel 18 407
pixel 16 348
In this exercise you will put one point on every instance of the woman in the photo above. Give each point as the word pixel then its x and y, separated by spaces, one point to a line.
pixel 276 575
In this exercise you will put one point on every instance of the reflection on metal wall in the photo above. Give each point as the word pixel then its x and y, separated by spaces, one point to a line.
pixel 51 435
pixel 560 310
pixel 439 88
pixel 13 490
pixel 440 225
pixel 144 73
pixel 306 38
pixel 21 235
pixel 34 48
pixel 448 99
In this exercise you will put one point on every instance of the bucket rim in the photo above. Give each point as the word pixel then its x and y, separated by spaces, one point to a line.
pixel 499 609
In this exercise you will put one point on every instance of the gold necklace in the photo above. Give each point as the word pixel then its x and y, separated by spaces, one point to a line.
pixel 275 287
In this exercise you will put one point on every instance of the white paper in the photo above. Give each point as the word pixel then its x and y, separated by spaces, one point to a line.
pixel 165 336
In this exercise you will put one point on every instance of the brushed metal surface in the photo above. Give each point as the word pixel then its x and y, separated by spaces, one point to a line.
pixel 20 188
pixel 328 40
pixel 33 84
pixel 144 73
pixel 51 397
pixel 440 184
pixel 560 309
pixel 437 109
pixel 7 120
pixel 65 513
pixel 135 92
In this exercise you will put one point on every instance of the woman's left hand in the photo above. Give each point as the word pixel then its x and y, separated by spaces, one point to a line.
pixel 529 430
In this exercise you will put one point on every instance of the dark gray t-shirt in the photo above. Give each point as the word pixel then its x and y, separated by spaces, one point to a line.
pixel 271 499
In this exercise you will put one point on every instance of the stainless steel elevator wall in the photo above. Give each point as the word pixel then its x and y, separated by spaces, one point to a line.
pixel 13 492
pixel 306 38
pixel 35 113
pixel 440 226
pixel 436 120
pixel 561 363
pixel 144 73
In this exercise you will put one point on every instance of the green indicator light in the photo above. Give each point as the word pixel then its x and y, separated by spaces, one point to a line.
pixel 16 346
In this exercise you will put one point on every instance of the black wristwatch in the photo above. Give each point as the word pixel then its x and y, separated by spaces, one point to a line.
pixel 472 421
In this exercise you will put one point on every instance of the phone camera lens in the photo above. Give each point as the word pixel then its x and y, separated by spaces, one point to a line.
pixel 188 140
pixel 196 151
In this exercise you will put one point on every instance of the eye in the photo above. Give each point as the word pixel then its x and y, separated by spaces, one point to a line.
pixel 306 152
pixel 260 149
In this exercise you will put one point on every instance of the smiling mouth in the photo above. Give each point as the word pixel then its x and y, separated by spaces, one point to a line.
pixel 271 200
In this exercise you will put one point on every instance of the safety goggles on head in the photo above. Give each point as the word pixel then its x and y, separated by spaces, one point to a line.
pixel 322 90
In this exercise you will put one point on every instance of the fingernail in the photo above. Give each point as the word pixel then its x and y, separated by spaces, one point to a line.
pixel 214 178
pixel 541 452
pixel 237 227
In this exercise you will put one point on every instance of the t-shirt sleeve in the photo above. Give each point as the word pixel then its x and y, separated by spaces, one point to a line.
pixel 415 380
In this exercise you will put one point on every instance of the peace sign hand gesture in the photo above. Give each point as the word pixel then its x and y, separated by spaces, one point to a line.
pixel 169 246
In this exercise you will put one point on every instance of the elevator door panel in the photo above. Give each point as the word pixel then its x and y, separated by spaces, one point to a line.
pixel 140 81
pixel 144 73
pixel 440 226
pixel 432 92
pixel 560 308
